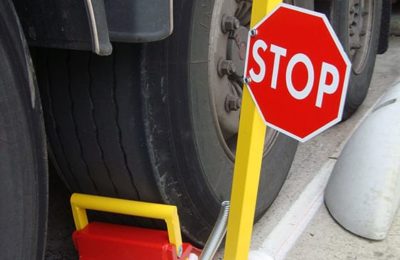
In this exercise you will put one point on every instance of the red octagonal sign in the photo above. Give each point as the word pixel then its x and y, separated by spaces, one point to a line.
pixel 297 72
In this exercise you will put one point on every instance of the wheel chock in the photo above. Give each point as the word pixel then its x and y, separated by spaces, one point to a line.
pixel 109 241
pixel 363 193
pixel 100 241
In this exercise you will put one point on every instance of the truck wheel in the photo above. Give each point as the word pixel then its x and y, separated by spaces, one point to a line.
pixel 357 24
pixel 192 93
pixel 149 122
pixel 23 167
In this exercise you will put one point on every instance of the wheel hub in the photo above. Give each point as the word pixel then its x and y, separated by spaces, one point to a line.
pixel 227 48
pixel 236 52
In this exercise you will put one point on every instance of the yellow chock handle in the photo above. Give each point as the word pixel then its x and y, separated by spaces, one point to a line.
pixel 81 202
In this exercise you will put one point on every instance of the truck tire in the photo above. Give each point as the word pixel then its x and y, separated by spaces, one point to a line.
pixel 142 123
pixel 191 136
pixel 23 167
pixel 357 25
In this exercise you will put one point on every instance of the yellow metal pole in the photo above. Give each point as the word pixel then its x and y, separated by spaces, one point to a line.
pixel 247 164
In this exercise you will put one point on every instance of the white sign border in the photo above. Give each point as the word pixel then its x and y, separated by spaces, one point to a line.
pixel 345 82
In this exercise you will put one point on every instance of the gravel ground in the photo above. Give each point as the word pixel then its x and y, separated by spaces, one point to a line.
pixel 60 225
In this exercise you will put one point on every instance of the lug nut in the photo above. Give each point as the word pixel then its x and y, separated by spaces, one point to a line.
pixel 229 23
pixel 226 67
pixel 232 103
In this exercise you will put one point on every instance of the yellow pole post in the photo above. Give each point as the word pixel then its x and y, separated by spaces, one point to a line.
pixel 249 153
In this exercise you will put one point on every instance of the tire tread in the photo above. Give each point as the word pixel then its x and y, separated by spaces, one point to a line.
pixel 94 121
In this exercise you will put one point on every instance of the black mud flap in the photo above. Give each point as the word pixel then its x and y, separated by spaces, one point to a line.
pixel 93 24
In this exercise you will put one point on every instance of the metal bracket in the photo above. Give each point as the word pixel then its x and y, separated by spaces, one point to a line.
pixel 100 39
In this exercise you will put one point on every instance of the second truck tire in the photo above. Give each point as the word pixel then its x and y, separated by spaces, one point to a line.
pixel 140 124
pixel 357 25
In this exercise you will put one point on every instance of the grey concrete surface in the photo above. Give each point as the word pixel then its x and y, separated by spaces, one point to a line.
pixel 324 238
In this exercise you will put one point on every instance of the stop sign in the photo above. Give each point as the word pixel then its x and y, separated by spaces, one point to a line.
pixel 297 72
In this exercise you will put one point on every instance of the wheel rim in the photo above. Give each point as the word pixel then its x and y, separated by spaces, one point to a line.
pixel 227 51
pixel 360 32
